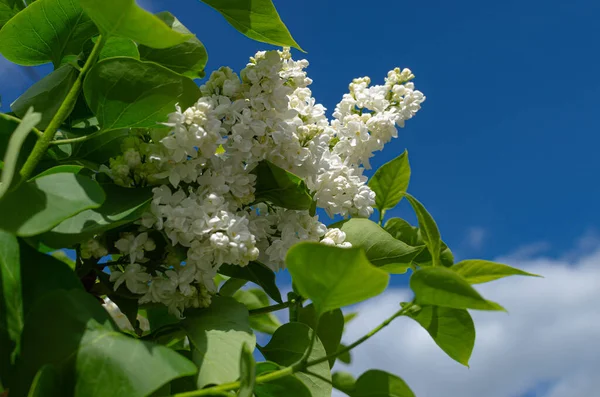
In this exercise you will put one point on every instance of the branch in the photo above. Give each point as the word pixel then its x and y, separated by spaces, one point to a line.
pixel 269 309
pixel 18 120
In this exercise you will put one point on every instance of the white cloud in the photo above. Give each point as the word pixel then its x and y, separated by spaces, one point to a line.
pixel 475 237
pixel 550 338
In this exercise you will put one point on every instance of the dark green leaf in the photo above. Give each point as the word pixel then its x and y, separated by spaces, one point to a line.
pixel 477 271
pixel 100 148
pixel 345 357
pixel 69 324
pixel 247 372
pixel 253 299
pixel 257 273
pixel 122 206
pixel 288 386
pixel 287 346
pixel 46 31
pixel 383 250
pixel 440 286
pixel 16 141
pixel 411 235
pixel 218 334
pixel 11 304
pixel 257 19
pixel 231 286
pixel 376 383
pixel 429 230
pixel 49 200
pixel 119 47
pixel 126 19
pixel 281 188
pixel 331 327
pixel 61 169
pixel 451 329
pixel 334 277
pixel 188 59
pixel 8 9
pixel 46 383
pixel 343 381
pixel 47 95
pixel 390 182
pixel 124 92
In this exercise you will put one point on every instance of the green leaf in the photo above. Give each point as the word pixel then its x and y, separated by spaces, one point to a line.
pixel 11 304
pixel 12 156
pixel 50 200
pixel 279 187
pixel 8 9
pixel 288 345
pixel 218 334
pixel 247 372
pixel 61 169
pixel 188 59
pixel 288 386
pixel 390 182
pixel 47 95
pixel 331 327
pixel 257 273
pixel 345 357
pixel 122 206
pixel 257 19
pixel 126 19
pixel 231 286
pixel 46 31
pixel 477 271
pixel 124 92
pixel 376 383
pixel 429 230
pixel 382 249
pixel 46 383
pixel 334 277
pixel 343 381
pixel 411 235
pixel 451 329
pixel 349 317
pixel 254 299
pixel 119 47
pixel 73 324
pixel 440 286
pixel 101 147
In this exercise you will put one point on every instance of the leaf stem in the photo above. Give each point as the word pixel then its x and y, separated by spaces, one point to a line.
pixel 269 309
pixel 18 120
pixel 78 139
pixel 61 115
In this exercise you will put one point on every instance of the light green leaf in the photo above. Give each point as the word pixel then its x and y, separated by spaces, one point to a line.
pixel 376 383
pixel 122 206
pixel 126 19
pixel 11 315
pixel 247 372
pixel 124 92
pixel 343 381
pixel 288 345
pixel 46 383
pixel 382 249
pixel 288 386
pixel 257 273
pixel 254 299
pixel 49 200
pixel 390 182
pixel 279 187
pixel 47 95
pixel 218 334
pixel 72 324
pixel 61 169
pixel 477 271
pixel 334 277
pixel 440 286
pixel 188 59
pixel 429 230
pixel 257 19
pixel 119 47
pixel 451 329
pixel 331 327
pixel 411 235
pixel 45 32
pixel 12 155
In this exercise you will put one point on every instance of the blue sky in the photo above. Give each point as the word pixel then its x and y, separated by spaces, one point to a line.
pixel 504 156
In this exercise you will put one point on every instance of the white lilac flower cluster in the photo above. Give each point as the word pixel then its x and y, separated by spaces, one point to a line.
pixel 205 198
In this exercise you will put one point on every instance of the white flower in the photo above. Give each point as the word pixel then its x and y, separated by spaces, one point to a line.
pixel 93 248
pixel 134 246
pixel 135 278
